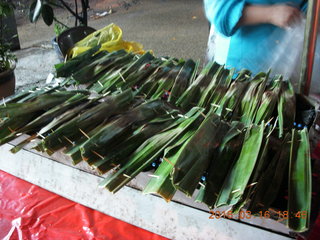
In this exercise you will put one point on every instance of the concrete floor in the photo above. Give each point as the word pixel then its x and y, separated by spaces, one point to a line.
pixel 168 27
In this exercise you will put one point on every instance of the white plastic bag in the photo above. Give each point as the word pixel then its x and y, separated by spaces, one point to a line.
pixel 285 58
pixel 288 56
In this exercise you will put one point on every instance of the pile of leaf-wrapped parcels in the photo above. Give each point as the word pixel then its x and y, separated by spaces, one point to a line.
pixel 237 139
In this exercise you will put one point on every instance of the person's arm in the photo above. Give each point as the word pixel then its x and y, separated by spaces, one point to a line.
pixel 278 15
pixel 224 14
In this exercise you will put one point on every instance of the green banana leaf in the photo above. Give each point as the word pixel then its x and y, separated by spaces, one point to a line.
pixel 101 65
pixel 161 180
pixel 269 101
pixel 119 129
pixel 270 180
pixel 286 108
pixel 115 157
pixel 221 163
pixel 299 202
pixel 182 81
pixel 230 101
pixel 194 92
pixel 68 68
pixel 197 154
pixel 86 121
pixel 252 98
pixel 148 151
pixel 237 179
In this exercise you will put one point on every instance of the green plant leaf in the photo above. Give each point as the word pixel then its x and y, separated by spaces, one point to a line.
pixel 35 11
pixel 47 14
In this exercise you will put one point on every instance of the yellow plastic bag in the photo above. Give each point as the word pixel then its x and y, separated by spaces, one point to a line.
pixel 110 38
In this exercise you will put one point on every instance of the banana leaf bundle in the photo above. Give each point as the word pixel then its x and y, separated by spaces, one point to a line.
pixel 267 187
pixel 299 202
pixel 114 157
pixel 238 177
pixel 74 149
pixel 194 92
pixel 237 133
pixel 29 94
pixel 252 98
pixel 165 83
pixel 137 78
pixel 68 68
pixel 112 79
pixel 268 101
pixel 230 101
pixel 221 89
pixel 40 103
pixel 15 116
pixel 196 155
pixel 72 130
pixel 48 116
pixel 103 64
pixel 122 127
pixel 183 80
pixel 217 88
pixel 222 161
pixel 150 86
pixel 160 182
pixel 106 81
pixel 149 150
pixel 52 125
pixel 286 107
pixel 116 131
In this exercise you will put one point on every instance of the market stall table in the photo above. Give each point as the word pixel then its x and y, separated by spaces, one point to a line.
pixel 180 219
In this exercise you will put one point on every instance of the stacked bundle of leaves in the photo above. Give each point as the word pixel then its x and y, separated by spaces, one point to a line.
pixel 235 130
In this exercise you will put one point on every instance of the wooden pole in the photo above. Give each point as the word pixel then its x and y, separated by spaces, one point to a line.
pixel 309 47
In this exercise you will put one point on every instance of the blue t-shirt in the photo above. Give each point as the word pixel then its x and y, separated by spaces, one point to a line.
pixel 247 46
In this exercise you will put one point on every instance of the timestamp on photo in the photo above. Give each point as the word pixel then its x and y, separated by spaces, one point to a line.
pixel 277 215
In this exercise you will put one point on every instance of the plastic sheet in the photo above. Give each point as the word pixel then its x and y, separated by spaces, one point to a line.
pixel 286 59
pixel 283 51
pixel 30 212
pixel 110 38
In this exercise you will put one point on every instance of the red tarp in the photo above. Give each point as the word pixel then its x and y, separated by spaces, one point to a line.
pixel 30 212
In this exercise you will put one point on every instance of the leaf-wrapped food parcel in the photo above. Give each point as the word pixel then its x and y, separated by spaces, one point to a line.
pixel 299 202
pixel 221 163
pixel 128 146
pixel 194 92
pixel 149 150
pixel 87 121
pixel 182 81
pixel 161 180
pixel 118 130
pixel 238 177
pixel 286 107
pixel 270 180
pixel 196 155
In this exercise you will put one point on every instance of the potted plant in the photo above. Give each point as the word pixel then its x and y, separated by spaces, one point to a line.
pixel 45 8
pixel 7 58
pixel 65 37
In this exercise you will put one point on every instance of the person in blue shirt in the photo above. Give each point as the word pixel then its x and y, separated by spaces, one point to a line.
pixel 245 33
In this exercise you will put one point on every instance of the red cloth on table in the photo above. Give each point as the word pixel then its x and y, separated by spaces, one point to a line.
pixel 315 232
pixel 30 212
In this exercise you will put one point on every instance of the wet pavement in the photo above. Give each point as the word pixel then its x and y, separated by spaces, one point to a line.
pixel 168 27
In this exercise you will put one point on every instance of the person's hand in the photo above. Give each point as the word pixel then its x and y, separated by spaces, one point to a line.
pixel 283 16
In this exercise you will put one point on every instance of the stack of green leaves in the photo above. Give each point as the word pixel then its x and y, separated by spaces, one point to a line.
pixel 233 131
